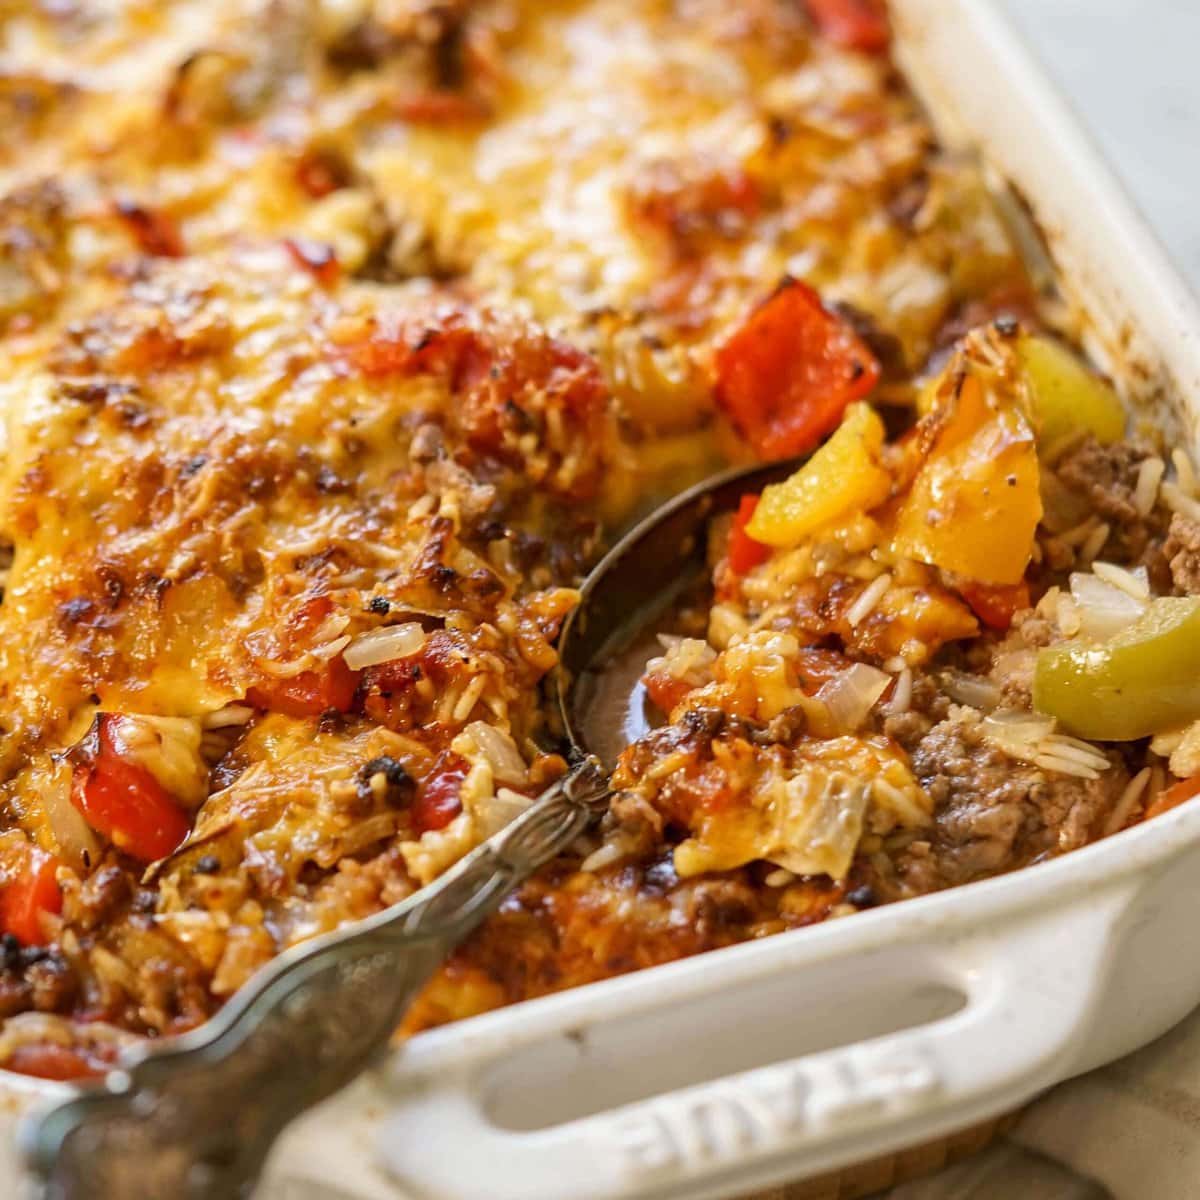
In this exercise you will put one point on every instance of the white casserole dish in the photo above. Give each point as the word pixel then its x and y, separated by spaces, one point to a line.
pixel 811 1050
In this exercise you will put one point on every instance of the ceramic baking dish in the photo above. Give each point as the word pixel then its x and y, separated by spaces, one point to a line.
pixel 823 1047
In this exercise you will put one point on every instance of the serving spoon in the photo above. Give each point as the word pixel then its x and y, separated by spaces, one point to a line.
pixel 194 1118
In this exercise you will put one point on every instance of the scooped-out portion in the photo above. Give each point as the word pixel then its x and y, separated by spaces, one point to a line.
pixel 925 660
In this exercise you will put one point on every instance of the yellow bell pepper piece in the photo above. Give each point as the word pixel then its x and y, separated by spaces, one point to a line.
pixel 842 477
pixel 976 501
pixel 1066 395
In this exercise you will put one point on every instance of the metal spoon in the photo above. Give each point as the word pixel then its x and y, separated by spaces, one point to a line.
pixel 195 1118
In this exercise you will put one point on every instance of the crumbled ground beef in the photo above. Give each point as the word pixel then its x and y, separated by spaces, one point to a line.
pixel 928 706
pixel 1013 659
pixel 1182 552
pixel 907 728
pixel 716 904
pixel 638 819
pixel 993 813
pixel 1106 477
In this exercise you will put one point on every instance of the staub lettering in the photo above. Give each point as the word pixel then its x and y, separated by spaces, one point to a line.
pixel 769 1109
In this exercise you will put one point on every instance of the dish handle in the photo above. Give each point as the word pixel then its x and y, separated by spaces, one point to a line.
pixel 1026 994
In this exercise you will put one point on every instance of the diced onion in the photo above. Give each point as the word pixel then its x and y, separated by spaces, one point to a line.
pixel 1018 734
pixel 1185 758
pixel 850 695
pixel 384 645
pixel 868 600
pixel 77 844
pixel 168 747
pixel 498 749
pixel 971 690
pixel 1032 739
pixel 1104 609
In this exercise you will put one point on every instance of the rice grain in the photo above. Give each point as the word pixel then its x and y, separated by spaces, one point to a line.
pixel 1150 476
pixel 1095 542
pixel 1065 766
pixel 868 599
pixel 1177 500
pixel 1127 801
pixel 901 700
pixel 1185 471
pixel 1119 577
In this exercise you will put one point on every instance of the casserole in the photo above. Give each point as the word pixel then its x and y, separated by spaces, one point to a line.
pixel 985 988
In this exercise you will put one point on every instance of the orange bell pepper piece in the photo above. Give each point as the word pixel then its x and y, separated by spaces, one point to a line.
pixel 975 503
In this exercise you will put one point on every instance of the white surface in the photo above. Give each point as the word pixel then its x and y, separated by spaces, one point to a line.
pixel 1129 68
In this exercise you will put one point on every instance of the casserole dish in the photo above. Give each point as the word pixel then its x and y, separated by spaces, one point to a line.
pixel 905 1024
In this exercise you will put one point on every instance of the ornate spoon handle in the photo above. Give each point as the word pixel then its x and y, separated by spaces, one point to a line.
pixel 195 1119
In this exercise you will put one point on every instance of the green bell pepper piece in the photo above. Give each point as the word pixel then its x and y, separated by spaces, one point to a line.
pixel 1067 396
pixel 1143 681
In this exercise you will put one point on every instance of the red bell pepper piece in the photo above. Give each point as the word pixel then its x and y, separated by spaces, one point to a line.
pixel 318 258
pixel 47 1061
pixel 438 801
pixel 155 232
pixel 853 24
pixel 744 552
pixel 665 691
pixel 26 898
pixel 787 375
pixel 123 802
pixel 996 605
pixel 310 693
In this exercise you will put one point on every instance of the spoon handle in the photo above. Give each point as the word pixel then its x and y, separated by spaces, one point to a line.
pixel 195 1119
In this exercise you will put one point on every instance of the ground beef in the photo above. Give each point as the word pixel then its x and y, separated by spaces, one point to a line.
pixel 1106 477
pixel 638 820
pixel 1013 659
pixel 716 905
pixel 907 728
pixel 1182 552
pixel 929 705
pixel 993 813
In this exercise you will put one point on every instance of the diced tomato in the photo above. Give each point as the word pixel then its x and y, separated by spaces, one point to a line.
pixel 438 802
pixel 665 691
pixel 853 24
pixel 310 693
pixel 1172 797
pixel 440 108
pixel 122 801
pixel 816 667
pixel 26 898
pixel 47 1061
pixel 319 172
pixel 689 199
pixel 787 375
pixel 388 348
pixel 744 552
pixel 318 258
pixel 996 605
pixel 156 233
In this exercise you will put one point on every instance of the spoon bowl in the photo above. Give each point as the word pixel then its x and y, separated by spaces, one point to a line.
pixel 627 593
